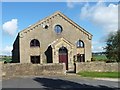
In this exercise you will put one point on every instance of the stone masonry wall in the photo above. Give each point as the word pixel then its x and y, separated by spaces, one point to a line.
pixel 96 66
pixel 46 37
pixel 12 70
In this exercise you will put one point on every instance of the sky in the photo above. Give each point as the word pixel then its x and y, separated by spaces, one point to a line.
pixel 99 18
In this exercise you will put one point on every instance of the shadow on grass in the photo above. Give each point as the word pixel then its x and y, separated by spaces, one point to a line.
pixel 58 84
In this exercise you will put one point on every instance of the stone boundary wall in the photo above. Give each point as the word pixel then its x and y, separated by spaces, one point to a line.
pixel 15 69
pixel 97 66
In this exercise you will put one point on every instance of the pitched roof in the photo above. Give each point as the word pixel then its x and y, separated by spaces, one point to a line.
pixel 51 16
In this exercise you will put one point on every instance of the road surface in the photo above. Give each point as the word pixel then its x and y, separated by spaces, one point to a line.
pixel 58 82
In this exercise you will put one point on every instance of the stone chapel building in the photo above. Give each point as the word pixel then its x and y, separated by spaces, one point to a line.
pixel 55 39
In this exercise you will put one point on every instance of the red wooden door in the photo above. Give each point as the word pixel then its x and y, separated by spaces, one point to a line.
pixel 63 57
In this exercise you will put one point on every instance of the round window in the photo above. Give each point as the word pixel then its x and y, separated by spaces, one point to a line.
pixel 58 29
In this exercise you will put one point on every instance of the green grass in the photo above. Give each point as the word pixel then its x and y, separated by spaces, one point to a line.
pixel 99 57
pixel 100 74
pixel 6 59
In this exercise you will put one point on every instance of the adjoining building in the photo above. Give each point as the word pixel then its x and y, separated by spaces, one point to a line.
pixel 55 39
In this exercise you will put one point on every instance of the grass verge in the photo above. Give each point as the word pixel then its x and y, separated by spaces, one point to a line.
pixel 100 74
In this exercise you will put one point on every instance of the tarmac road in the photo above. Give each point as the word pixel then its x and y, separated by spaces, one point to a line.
pixel 58 82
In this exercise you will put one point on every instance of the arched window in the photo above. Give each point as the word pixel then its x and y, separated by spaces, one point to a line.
pixel 80 44
pixel 58 29
pixel 34 43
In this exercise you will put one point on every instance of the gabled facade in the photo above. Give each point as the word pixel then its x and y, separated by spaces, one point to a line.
pixel 55 39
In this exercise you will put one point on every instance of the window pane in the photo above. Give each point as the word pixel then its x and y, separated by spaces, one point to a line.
pixel 34 43
pixel 79 44
pixel 58 29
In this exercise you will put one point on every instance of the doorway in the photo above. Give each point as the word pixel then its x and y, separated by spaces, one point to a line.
pixel 80 57
pixel 48 54
pixel 63 56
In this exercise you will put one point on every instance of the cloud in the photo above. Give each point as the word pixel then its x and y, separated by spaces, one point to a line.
pixel 6 51
pixel 98 46
pixel 73 3
pixel 101 15
pixel 97 49
pixel 70 4
pixel 10 27
pixel 95 42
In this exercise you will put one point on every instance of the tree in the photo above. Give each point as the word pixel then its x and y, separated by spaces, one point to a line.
pixel 113 46
pixel 118 45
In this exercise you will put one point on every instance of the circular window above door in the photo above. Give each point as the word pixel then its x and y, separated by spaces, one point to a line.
pixel 58 29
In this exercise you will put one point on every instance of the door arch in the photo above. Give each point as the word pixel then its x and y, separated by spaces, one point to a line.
pixel 63 56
